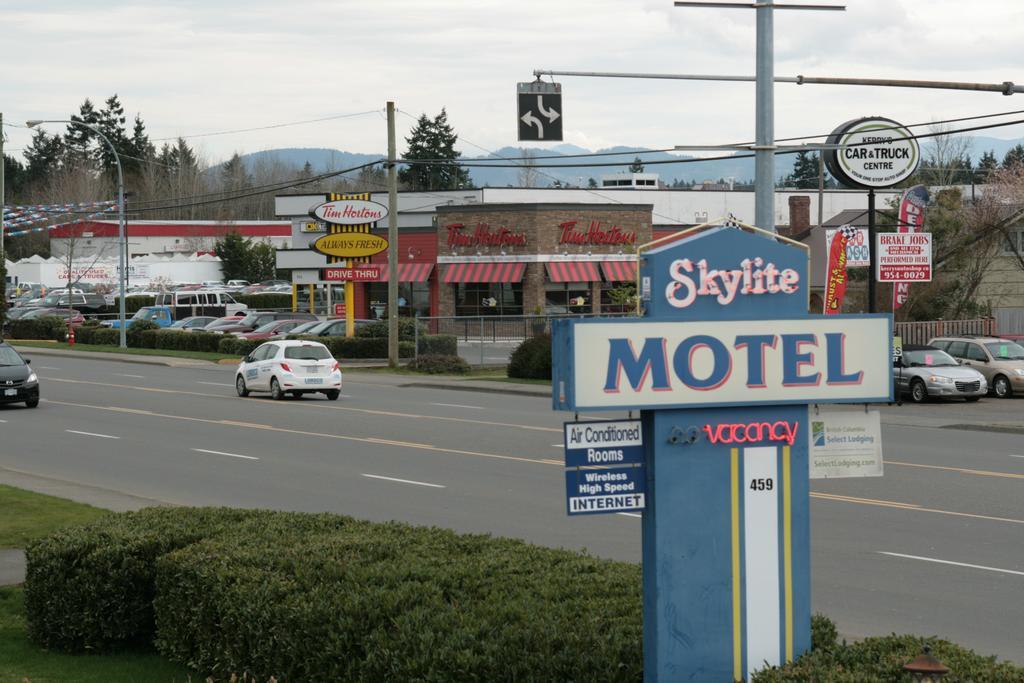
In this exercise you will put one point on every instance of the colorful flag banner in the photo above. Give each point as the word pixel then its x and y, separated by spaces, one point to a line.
pixel 911 219
pixel 835 287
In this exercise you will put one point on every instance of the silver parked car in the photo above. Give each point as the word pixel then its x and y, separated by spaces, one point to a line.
pixel 925 372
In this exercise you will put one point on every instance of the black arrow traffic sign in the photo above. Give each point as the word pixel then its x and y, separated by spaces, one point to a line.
pixel 540 111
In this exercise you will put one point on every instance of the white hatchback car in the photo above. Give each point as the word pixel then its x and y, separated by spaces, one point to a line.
pixel 293 367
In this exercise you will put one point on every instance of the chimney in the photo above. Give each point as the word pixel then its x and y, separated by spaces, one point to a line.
pixel 799 214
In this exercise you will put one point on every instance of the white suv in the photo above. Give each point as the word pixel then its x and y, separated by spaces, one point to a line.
pixel 293 367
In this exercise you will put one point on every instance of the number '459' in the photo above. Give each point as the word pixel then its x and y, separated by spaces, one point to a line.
pixel 761 484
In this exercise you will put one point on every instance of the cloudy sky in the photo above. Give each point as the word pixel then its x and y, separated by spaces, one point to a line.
pixel 194 67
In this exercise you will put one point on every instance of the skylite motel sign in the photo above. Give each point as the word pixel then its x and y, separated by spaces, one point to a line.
pixel 722 366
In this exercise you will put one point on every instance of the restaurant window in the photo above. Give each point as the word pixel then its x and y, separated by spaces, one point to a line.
pixel 488 298
pixel 618 297
pixel 561 298
pixel 413 299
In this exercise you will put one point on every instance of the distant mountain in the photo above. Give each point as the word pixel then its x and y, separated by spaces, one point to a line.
pixel 561 165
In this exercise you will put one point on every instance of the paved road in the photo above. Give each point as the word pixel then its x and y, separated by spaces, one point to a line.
pixel 934 547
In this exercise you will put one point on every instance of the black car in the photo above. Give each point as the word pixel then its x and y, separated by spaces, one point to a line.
pixel 18 384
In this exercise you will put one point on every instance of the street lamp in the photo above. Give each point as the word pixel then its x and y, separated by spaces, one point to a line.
pixel 120 211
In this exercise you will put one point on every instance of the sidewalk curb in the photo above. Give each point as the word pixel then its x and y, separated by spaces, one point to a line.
pixel 115 357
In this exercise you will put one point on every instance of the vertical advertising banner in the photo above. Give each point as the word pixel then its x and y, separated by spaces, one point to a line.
pixel 911 219
pixel 835 285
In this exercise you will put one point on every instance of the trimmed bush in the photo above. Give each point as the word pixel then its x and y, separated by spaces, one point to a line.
pixel 133 335
pixel 91 588
pixel 439 365
pixel 439 344
pixel 532 359
pixel 406 329
pixel 264 302
pixel 376 602
pixel 881 660
pixel 236 346
pixel 344 348
pixel 47 327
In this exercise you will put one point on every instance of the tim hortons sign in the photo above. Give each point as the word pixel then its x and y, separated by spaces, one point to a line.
pixel 349 212
pixel 594 234
pixel 483 236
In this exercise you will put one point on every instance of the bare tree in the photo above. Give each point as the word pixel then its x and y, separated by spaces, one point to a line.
pixel 946 157
pixel 529 176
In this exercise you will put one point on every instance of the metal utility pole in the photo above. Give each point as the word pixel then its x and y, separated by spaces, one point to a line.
pixel 764 137
pixel 3 166
pixel 392 241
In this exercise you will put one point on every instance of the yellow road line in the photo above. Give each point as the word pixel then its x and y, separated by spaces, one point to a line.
pixel 284 430
pixel 315 406
pixel 961 470
pixel 914 508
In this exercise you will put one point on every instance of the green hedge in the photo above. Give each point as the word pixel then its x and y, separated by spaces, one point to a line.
pixel 48 327
pixel 323 597
pixel 439 344
pixel 236 346
pixel 881 660
pixel 531 359
pixel 344 348
pixel 406 329
pixel 439 365
pixel 91 588
pixel 266 301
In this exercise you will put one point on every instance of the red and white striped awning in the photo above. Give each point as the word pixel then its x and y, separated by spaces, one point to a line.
pixel 486 271
pixel 572 271
pixel 407 272
pixel 619 271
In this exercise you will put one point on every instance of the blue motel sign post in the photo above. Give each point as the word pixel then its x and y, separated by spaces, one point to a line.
pixel 722 365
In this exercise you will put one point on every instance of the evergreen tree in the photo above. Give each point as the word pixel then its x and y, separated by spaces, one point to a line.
pixel 262 262
pixel 1014 157
pixel 234 175
pixel 637 166
pixel 77 139
pixel 43 156
pixel 591 182
pixel 234 253
pixel 805 171
pixel 111 122
pixel 15 178
pixel 138 146
pixel 986 165
pixel 433 140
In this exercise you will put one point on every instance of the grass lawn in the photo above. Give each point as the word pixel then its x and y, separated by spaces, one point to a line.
pixel 20 660
pixel 27 516
pixel 198 355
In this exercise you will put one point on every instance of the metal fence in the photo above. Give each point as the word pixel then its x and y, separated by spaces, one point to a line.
pixel 490 340
pixel 920 332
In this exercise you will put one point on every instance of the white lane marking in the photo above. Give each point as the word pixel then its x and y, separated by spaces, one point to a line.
pixel 217 384
pixel 46 367
pixel 404 481
pixel 629 514
pixel 1017 456
pixel 102 436
pixel 457 405
pixel 122 374
pixel 230 455
pixel 558 445
pixel 3 420
pixel 955 564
